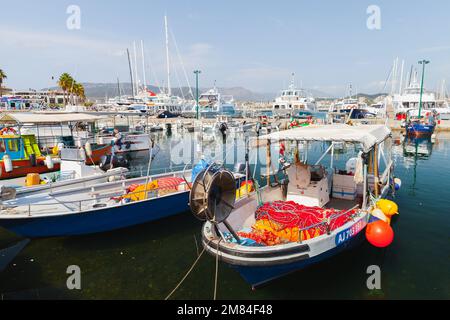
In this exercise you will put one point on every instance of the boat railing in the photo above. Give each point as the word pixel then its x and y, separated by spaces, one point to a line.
pixel 327 222
pixel 95 202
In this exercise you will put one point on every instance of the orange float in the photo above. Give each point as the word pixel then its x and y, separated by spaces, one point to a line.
pixel 379 234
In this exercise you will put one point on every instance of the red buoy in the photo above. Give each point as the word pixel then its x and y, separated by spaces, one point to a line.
pixel 379 234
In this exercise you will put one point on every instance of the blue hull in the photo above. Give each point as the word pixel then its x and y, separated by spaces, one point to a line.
pixel 99 220
pixel 419 130
pixel 257 276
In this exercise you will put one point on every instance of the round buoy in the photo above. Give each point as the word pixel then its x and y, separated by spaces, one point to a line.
pixel 88 149
pixel 379 234
pixel 8 163
pixel 397 184
pixel 388 207
pixel 49 162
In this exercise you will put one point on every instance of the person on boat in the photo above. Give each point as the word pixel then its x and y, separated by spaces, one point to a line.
pixel 118 138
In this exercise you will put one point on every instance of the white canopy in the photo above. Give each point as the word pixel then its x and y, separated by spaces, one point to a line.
pixel 46 118
pixel 366 135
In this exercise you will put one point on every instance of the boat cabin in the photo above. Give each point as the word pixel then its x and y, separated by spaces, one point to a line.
pixel 19 147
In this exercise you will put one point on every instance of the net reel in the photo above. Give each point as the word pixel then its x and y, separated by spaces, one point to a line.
pixel 213 196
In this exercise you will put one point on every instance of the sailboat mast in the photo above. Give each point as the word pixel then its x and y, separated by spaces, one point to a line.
pixel 136 80
pixel 410 75
pixel 401 78
pixel 167 56
pixel 143 65
pixel 131 73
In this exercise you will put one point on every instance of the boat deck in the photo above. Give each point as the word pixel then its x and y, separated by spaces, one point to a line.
pixel 71 199
pixel 341 204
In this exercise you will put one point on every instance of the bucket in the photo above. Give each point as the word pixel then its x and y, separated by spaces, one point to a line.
pixel 32 179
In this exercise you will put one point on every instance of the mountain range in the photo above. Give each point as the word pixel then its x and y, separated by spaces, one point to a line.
pixel 98 91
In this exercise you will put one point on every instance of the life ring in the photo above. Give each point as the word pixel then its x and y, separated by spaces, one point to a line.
pixel 7 130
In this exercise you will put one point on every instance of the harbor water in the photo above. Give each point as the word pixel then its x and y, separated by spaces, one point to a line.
pixel 148 261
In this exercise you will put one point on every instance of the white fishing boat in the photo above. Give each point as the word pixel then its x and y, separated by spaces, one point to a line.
pixel 293 100
pixel 312 214
pixel 88 205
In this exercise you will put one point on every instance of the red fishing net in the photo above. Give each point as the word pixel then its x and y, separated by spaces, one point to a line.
pixel 282 221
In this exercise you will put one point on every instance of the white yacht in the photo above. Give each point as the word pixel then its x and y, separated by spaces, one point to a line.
pixel 211 104
pixel 410 98
pixel 378 109
pixel 292 100
pixel 345 104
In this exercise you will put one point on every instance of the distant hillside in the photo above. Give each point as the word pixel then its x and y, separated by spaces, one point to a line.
pixel 98 91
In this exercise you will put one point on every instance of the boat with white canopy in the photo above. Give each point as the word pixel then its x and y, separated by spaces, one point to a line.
pixel 311 213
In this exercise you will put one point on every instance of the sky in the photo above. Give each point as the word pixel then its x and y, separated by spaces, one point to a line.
pixel 253 44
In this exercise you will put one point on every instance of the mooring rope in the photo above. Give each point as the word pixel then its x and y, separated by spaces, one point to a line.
pixel 217 271
pixel 188 273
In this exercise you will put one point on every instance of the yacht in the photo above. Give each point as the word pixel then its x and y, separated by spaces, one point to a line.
pixel 378 109
pixel 410 98
pixel 211 104
pixel 292 100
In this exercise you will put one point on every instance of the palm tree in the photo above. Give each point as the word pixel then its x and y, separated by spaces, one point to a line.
pixel 65 83
pixel 78 90
pixel 2 77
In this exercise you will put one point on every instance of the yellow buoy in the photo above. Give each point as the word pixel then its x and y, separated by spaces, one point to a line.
pixel 388 207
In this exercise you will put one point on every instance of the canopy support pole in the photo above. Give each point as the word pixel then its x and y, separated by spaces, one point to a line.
pixel 365 187
pixel 268 162
pixel 332 157
pixel 324 154
pixel 375 170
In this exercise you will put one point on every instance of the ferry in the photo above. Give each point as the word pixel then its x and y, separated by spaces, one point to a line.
pixel 292 100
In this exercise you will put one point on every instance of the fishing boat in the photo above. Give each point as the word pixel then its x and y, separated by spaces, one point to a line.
pixel 86 206
pixel 20 155
pixel 94 152
pixel 309 215
pixel 421 122
pixel 420 126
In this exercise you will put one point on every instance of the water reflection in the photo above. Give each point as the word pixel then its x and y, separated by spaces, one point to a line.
pixel 415 149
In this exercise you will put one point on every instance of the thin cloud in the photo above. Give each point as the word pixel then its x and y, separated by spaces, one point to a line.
pixel 27 39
